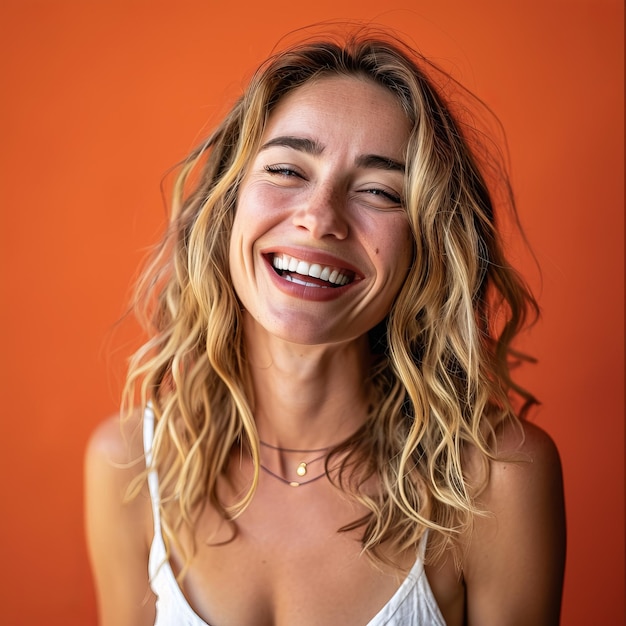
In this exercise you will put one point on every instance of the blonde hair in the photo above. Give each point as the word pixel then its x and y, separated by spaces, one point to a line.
pixel 442 371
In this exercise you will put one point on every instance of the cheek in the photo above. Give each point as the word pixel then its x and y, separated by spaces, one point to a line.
pixel 406 250
pixel 259 199
pixel 393 243
pixel 259 209
pixel 255 215
pixel 248 222
pixel 242 238
pixel 396 255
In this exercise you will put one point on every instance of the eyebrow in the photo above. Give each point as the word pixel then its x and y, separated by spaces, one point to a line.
pixel 297 143
pixel 379 162
pixel 310 146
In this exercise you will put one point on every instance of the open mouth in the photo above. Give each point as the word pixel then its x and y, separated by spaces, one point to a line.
pixel 310 274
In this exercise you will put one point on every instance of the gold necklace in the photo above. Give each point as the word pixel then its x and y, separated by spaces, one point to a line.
pixel 291 483
pixel 301 468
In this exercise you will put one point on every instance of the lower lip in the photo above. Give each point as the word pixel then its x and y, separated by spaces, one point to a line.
pixel 306 292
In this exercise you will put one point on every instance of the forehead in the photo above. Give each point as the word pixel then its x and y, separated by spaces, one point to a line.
pixel 342 109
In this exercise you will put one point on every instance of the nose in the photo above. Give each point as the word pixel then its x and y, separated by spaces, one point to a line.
pixel 323 214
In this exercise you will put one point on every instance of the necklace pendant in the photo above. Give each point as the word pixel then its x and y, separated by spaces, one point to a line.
pixel 294 484
pixel 301 469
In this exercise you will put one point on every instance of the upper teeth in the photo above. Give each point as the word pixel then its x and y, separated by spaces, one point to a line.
pixel 315 270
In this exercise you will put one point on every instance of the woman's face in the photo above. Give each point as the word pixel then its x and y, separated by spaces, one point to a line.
pixel 321 243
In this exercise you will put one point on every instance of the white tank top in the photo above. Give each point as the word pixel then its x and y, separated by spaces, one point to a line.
pixel 413 604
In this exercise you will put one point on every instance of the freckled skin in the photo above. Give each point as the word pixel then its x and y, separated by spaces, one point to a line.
pixel 328 200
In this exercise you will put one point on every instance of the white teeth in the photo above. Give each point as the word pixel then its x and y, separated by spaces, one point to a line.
pixel 315 270
pixel 284 262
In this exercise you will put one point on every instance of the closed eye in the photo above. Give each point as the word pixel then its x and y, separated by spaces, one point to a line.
pixel 384 193
pixel 282 170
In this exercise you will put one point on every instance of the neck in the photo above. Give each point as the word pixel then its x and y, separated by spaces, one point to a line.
pixel 308 397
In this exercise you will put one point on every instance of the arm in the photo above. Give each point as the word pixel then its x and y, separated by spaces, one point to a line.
pixel 118 533
pixel 516 555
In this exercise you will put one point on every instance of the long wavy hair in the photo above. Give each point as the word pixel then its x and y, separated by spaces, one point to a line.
pixel 443 354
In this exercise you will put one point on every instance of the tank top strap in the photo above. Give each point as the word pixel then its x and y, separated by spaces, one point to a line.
pixel 153 479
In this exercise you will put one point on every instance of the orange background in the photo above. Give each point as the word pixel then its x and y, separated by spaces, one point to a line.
pixel 99 98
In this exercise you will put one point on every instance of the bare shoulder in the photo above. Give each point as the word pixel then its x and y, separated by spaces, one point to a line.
pixel 528 458
pixel 516 553
pixel 118 527
pixel 528 439
pixel 114 460
pixel 117 440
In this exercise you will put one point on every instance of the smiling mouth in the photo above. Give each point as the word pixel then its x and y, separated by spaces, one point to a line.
pixel 310 274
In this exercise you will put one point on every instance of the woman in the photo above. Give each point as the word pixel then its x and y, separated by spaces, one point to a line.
pixel 327 431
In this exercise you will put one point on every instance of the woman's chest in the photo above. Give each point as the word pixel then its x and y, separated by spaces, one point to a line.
pixel 283 564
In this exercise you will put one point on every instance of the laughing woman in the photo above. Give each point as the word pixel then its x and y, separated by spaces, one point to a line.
pixel 327 431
